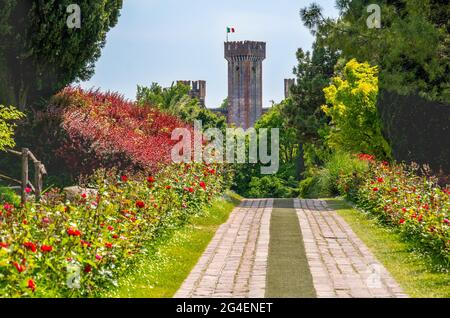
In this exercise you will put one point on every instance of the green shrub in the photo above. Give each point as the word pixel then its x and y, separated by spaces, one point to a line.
pixel 270 187
pixel 327 181
pixel 8 195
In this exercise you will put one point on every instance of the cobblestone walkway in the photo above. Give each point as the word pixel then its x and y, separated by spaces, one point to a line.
pixel 340 263
pixel 235 262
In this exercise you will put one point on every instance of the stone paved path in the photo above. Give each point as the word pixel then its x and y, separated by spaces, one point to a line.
pixel 235 262
pixel 340 263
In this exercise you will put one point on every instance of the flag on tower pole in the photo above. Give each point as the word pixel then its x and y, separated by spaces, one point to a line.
pixel 230 30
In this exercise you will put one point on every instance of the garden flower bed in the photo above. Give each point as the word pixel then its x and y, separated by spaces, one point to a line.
pixel 415 204
pixel 62 248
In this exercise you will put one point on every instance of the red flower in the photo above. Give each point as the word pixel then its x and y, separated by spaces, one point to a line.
pixel 150 179
pixel 46 248
pixel 31 246
pixel 191 190
pixel 375 189
pixel 31 285
pixel 87 268
pixel 203 185
pixel 124 178
pixel 401 221
pixel 140 204
pixel 73 232
pixel 116 236
pixel 24 222
pixel 108 245
pixel 3 245
pixel 394 189
pixel 380 180
pixel 168 187
pixel 20 268
pixel 447 221
pixel 420 218
pixel 426 207
pixel 110 228
pixel 28 190
pixel 7 207
pixel 404 209
pixel 83 195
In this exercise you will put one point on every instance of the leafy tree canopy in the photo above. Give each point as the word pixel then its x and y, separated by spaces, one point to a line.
pixel 352 98
pixel 7 115
pixel 40 54
pixel 412 47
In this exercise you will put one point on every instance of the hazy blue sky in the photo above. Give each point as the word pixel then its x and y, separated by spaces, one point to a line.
pixel 166 40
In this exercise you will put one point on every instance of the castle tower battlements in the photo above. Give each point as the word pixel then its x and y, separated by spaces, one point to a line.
pixel 197 90
pixel 244 81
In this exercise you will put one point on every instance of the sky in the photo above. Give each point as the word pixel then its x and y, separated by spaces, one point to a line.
pixel 167 40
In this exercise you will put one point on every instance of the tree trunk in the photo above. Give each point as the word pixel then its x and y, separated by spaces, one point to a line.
pixel 300 163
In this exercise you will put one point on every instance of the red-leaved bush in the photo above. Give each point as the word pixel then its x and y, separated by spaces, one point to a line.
pixel 105 130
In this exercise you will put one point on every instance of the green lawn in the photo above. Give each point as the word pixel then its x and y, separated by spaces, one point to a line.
pixel 419 275
pixel 160 274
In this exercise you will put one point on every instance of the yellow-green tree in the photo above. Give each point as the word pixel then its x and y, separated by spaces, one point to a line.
pixel 351 104
pixel 8 114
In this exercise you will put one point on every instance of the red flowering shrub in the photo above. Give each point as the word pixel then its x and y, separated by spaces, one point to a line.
pixel 105 130
pixel 87 242
pixel 396 193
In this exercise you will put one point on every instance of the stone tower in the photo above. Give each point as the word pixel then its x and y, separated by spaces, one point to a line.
pixel 288 83
pixel 198 90
pixel 244 82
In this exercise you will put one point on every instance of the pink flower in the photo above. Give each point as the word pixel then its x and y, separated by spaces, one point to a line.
pixel 98 257
pixel 28 190
pixel 447 221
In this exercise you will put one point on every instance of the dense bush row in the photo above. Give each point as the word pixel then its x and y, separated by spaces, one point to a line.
pixel 74 247
pixel 81 131
pixel 400 195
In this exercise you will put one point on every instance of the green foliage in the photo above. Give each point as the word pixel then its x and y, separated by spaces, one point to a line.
pixel 302 110
pixel 8 114
pixel 411 47
pixel 39 54
pixel 352 98
pixel 176 101
pixel 9 196
pixel 324 182
pixel 248 180
pixel 274 118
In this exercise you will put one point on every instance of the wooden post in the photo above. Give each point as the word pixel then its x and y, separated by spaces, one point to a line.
pixel 37 180
pixel 24 174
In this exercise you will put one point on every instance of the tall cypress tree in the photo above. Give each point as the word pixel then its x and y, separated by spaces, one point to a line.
pixel 40 54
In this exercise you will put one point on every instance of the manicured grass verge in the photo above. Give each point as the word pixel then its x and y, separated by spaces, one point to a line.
pixel 161 273
pixel 419 275
pixel 288 272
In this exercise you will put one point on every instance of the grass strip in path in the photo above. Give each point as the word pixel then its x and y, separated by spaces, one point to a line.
pixel 288 272
pixel 418 275
pixel 160 274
